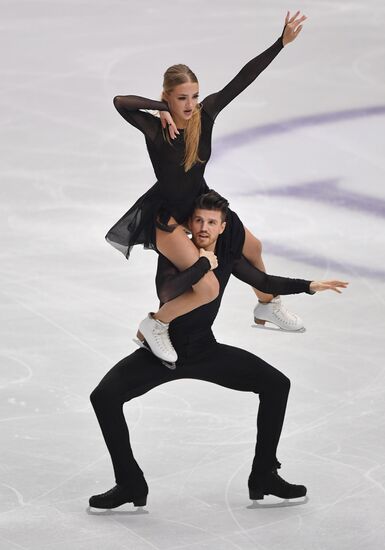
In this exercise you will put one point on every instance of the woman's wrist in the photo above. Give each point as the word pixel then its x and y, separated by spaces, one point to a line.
pixel 312 290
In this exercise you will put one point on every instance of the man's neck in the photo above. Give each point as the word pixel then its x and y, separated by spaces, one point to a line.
pixel 210 248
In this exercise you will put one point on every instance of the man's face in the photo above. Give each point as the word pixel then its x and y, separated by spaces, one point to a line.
pixel 206 226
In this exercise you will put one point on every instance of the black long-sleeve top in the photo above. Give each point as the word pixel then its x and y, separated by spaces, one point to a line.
pixel 171 283
pixel 180 188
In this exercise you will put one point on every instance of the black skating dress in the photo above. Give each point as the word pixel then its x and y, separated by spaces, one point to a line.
pixel 175 191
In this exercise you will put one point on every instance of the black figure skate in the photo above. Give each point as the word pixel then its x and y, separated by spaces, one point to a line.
pixel 271 483
pixel 119 495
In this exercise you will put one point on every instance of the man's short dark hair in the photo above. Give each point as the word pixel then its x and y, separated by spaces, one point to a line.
pixel 213 201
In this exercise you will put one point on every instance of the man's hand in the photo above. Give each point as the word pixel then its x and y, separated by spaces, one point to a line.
pixel 292 27
pixel 210 256
pixel 318 286
pixel 167 121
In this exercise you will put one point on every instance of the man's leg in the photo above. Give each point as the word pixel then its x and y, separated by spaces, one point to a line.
pixel 132 376
pixel 240 370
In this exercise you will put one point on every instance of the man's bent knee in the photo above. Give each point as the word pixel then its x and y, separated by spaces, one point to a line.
pixel 283 383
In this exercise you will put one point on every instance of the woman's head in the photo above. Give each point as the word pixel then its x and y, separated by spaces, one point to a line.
pixel 181 91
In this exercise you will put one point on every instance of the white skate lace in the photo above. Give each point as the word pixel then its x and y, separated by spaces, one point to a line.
pixel 286 316
pixel 162 336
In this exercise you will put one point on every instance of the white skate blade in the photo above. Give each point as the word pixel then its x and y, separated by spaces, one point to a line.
pixel 144 345
pixel 171 366
pixel 284 503
pixel 141 344
pixel 276 328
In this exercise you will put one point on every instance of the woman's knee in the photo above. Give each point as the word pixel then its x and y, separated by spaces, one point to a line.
pixel 177 247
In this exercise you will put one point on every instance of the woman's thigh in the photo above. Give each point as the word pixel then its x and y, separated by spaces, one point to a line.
pixel 252 248
pixel 177 247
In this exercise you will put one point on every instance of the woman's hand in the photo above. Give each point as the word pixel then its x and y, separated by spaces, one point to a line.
pixel 167 121
pixel 292 27
pixel 210 256
pixel 318 286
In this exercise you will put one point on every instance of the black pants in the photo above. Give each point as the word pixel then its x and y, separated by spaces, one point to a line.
pixel 227 366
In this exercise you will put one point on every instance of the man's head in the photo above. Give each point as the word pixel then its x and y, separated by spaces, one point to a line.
pixel 208 219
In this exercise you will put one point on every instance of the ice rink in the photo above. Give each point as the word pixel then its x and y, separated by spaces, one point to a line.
pixel 300 156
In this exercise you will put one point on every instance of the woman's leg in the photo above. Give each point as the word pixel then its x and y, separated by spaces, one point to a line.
pixel 268 308
pixel 178 248
pixel 252 250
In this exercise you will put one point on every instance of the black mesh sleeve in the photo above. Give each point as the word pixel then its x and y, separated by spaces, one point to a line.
pixel 271 284
pixel 214 103
pixel 170 282
pixel 130 107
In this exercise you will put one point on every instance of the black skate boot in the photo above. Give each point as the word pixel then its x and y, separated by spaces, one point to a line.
pixel 120 494
pixel 271 483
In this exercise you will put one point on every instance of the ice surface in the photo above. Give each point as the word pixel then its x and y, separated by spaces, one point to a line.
pixel 300 155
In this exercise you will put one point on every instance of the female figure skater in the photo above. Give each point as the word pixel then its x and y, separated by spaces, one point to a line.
pixel 179 145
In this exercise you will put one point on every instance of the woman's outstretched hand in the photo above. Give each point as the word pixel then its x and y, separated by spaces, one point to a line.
pixel 292 27
pixel 317 286
pixel 167 121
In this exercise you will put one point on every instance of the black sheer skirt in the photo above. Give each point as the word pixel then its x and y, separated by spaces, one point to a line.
pixel 151 210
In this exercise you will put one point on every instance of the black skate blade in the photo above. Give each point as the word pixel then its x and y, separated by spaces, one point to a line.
pixel 143 344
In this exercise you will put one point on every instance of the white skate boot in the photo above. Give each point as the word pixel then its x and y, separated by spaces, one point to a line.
pixel 153 335
pixel 275 312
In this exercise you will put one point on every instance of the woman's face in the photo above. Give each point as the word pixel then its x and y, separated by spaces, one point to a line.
pixel 182 101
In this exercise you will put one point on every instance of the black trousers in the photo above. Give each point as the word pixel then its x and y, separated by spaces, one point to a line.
pixel 227 366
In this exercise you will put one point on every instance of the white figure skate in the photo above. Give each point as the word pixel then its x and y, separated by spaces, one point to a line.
pixel 274 312
pixel 153 335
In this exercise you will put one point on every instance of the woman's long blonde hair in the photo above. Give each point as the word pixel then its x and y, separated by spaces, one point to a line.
pixel 175 75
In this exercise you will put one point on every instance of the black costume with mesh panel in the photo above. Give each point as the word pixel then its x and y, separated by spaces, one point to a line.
pixel 175 191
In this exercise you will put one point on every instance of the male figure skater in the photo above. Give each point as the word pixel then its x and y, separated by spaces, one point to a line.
pixel 200 357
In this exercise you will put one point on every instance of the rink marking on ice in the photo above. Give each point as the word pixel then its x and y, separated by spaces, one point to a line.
pixel 321 262
pixel 321 191
pixel 328 192
pixel 324 191
pixel 244 137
